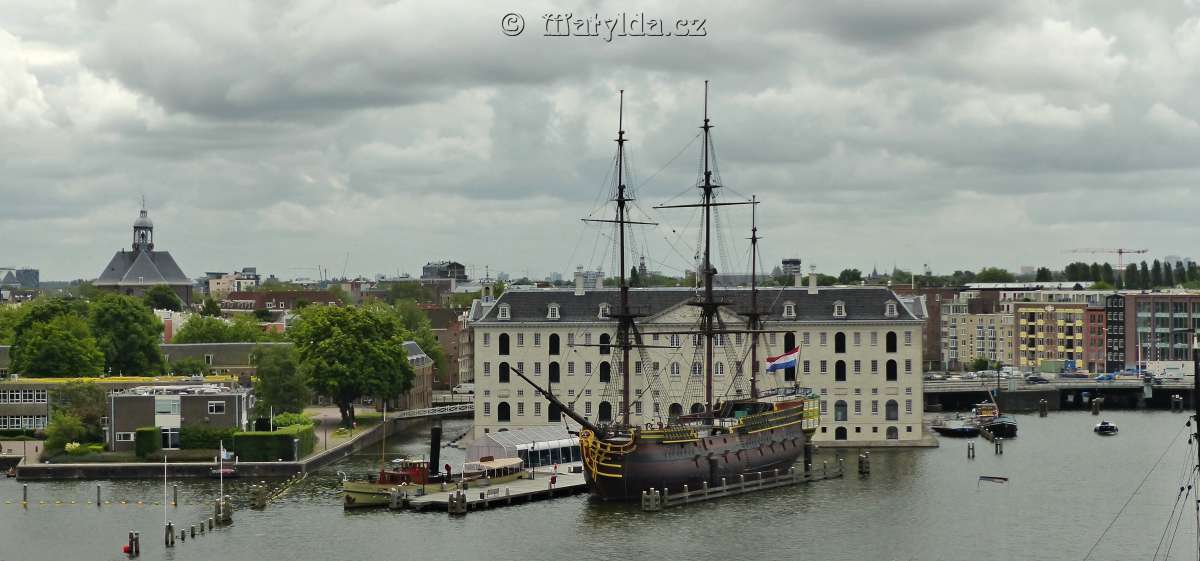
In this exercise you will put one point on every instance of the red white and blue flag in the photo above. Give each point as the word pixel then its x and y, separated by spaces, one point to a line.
pixel 785 360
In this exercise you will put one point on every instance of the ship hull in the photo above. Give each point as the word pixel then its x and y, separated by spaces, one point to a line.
pixel 671 465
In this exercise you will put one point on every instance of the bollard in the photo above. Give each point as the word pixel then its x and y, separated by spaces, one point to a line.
pixel 24 494
pixel 201 527
pixel 193 530
pixel 98 495
pixel 999 446
pixel 210 523
pixel 970 450
pixel 824 467
pixel 722 483
pixel 169 536
pixel 137 544
pixel 704 488
pixel 175 494
pixel 182 535
pixel 129 546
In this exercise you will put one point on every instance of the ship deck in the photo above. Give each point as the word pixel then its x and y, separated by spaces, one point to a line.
pixel 504 494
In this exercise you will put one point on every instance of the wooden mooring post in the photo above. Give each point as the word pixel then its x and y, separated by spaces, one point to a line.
pixel 999 442
pixel 1043 408
pixel 970 450
pixel 1096 404
pixel 864 463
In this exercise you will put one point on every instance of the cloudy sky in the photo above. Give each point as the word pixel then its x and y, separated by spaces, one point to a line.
pixel 376 136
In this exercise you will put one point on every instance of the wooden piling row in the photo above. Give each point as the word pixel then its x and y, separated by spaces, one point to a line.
pixel 657 499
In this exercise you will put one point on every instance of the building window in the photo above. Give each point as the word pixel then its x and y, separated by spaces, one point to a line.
pixel 908 338
pixel 208 360
pixel 824 367
pixel 891 371
pixel 603 311
pixel 503 412
pixel 839 343
pixel 891 410
pixel 520 339
pixel 570 368
pixel 605 340
pixel 503 312
pixel 891 342
pixel 487 408
pixel 839 371
pixel 487 368
pixel 587 367
pixel 874 339
pixel 537 369
pixel 605 413
pixel 839 433
pixel 874 406
pixel 789 310
pixel 806 339
pixel 908 406
pixel 537 339
pixel 552 312
pixel 839 411
pixel 216 408
pixel 891 310
pixel 807 367
pixel 520 408
pixel 908 366
pixel 124 437
pixel 858 407
pixel 537 408
pixel 554 373
pixel 839 309
pixel 696 370
pixel 504 348
pixel 487 339
pixel 858 367
pixel 504 375
pixel 605 372
pixel 554 350
pixel 824 339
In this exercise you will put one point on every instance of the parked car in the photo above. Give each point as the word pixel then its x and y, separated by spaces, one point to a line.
pixel 1036 380
pixel 934 377
pixel 970 376
pixel 1105 377
pixel 466 388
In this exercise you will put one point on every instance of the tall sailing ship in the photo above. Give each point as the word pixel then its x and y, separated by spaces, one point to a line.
pixel 763 431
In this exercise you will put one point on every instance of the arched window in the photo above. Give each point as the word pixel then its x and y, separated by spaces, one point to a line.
pixel 604 341
pixel 553 413
pixel 554 344
pixel 892 410
pixel 696 370
pixel 839 343
pixel 503 344
pixel 554 373
pixel 891 341
pixel 893 433
pixel 839 371
pixel 789 344
pixel 503 414
pixel 503 372
pixel 891 370
pixel 605 412
pixel 839 410
pixel 697 408
pixel 674 411
pixel 605 372
pixel 675 370
pixel 839 433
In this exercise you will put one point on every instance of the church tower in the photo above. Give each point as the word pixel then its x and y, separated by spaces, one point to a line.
pixel 143 232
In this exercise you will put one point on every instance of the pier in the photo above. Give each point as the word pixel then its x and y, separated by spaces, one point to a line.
pixel 484 497
pixel 658 499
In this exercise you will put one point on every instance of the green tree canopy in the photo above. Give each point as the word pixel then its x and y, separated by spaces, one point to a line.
pixel 278 382
pixel 128 334
pixel 210 308
pixel 850 276
pixel 409 290
pixel 62 346
pixel 1043 275
pixel 263 314
pixel 9 316
pixel 63 429
pixel 241 329
pixel 994 274
pixel 85 401
pixel 348 352
pixel 161 297
pixel 416 321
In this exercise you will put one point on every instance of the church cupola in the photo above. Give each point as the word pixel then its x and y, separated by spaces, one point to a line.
pixel 143 232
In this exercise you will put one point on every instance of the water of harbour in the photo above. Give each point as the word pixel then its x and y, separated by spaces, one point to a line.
pixel 1066 484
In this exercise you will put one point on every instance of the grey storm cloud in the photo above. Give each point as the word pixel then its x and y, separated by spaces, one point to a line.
pixel 386 134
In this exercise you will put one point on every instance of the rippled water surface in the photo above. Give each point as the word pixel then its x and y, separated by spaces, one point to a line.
pixel 1066 485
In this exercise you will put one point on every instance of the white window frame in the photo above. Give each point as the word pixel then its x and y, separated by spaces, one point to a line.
pixel 503 312
pixel 552 312
pixel 212 410
pixel 124 437
pixel 839 309
pixel 789 310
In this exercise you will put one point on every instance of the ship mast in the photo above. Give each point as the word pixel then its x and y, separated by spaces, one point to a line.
pixel 753 316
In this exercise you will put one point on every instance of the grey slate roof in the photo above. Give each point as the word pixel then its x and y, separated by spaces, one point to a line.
pixel 140 268
pixel 865 303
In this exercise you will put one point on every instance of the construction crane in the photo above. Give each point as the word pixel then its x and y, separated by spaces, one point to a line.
pixel 1120 251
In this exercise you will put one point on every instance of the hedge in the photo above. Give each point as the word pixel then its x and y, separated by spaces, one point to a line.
pixel 273 446
pixel 13 433
pixel 146 441
pixel 203 437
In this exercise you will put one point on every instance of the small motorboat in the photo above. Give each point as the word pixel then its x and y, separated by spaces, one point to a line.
pixel 1105 428
pixel 222 472
pixel 955 428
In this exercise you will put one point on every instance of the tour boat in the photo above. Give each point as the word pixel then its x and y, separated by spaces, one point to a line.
pixel 414 476
pixel 1105 428
pixel 958 428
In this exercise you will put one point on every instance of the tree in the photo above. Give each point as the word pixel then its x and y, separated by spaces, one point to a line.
pixel 1101 285
pixel 634 278
pixel 9 316
pixel 278 383
pixel 1108 275
pixel 161 297
pixel 263 314
pixel 85 401
pixel 241 329
pixel 416 321
pixel 979 364
pixel 43 310
pixel 408 291
pixel 1043 275
pixel 63 346
pixel 128 334
pixel 850 276
pixel 1156 275
pixel 1168 275
pixel 1180 273
pixel 189 366
pixel 1130 277
pixel 994 274
pixel 1144 277
pixel 63 428
pixel 348 352
pixel 210 308
pixel 339 293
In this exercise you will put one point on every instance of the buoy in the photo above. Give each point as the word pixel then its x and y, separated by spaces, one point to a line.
pixel 126 550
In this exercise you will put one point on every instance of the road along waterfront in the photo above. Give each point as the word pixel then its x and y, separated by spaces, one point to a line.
pixel 1065 485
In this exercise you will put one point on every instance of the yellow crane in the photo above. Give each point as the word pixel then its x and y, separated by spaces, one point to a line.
pixel 1120 251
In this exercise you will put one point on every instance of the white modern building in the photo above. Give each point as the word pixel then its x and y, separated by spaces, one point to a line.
pixel 860 352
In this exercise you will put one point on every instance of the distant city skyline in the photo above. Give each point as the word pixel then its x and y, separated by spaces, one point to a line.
pixel 958 135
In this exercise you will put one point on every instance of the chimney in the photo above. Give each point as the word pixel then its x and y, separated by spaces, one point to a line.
pixel 812 280
pixel 579 281
pixel 797 279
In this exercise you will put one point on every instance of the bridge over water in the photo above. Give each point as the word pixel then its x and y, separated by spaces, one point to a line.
pixel 1063 393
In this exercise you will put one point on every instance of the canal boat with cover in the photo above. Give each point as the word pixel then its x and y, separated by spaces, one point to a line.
pixel 957 428
pixel 414 476
pixel 1105 428
pixel 759 432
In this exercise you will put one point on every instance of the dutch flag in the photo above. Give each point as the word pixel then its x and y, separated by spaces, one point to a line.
pixel 785 360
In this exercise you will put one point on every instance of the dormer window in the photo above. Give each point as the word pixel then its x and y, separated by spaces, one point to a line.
pixel 503 312
pixel 890 310
pixel 789 310
pixel 839 309
pixel 552 312
pixel 603 311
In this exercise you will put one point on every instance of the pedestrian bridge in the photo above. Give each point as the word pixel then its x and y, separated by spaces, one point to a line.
pixel 457 410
